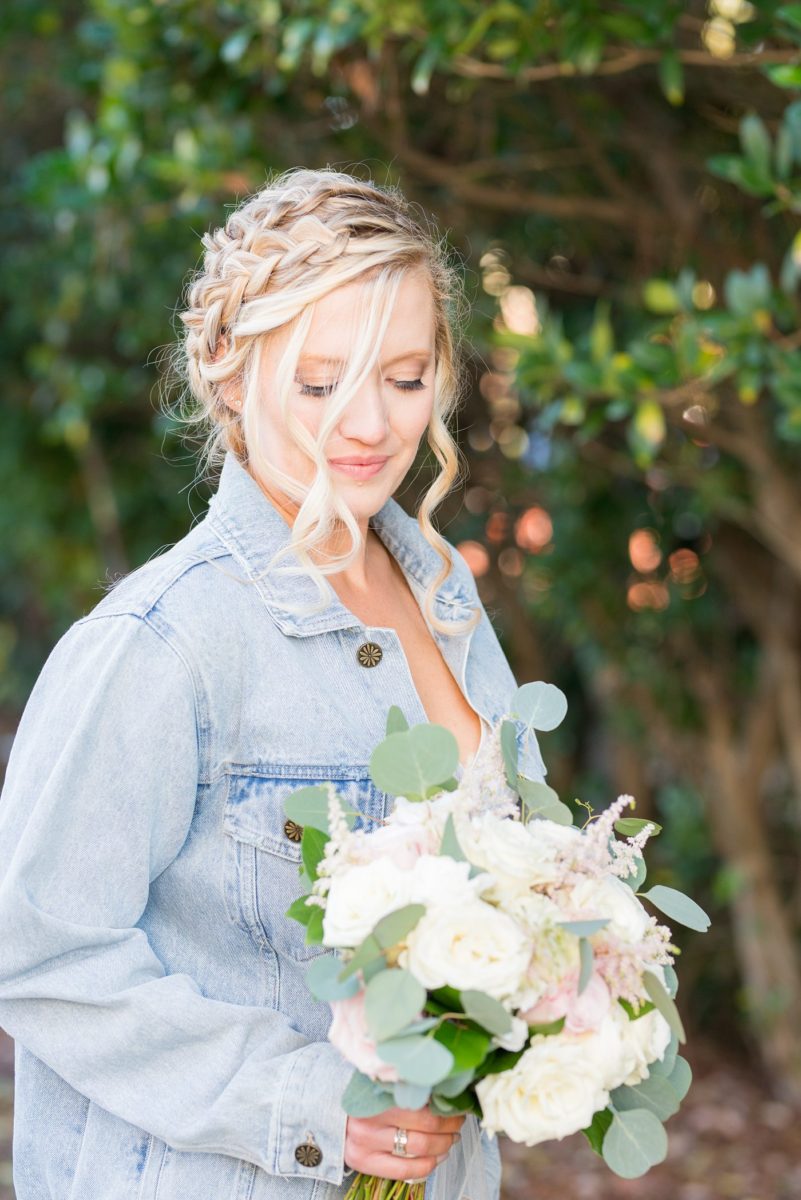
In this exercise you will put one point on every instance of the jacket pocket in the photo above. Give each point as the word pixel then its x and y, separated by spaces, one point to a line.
pixel 262 859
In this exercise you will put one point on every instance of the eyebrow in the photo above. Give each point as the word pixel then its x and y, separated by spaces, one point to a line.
pixel 324 358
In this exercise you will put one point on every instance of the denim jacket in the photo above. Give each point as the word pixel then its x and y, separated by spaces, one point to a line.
pixel 166 1045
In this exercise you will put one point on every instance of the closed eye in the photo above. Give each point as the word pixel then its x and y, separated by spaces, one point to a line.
pixel 325 389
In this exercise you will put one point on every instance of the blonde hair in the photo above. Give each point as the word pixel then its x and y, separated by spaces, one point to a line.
pixel 305 233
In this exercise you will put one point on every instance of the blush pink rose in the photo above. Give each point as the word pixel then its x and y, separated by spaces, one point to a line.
pixel 349 1033
pixel 582 1013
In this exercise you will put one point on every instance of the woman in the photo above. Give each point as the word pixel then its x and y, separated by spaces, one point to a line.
pixel 166 1045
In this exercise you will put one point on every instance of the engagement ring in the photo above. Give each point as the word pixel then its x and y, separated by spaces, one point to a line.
pixel 400 1143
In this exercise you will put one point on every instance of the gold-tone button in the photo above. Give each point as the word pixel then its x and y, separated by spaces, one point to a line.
pixel 308 1153
pixel 292 830
pixel 369 654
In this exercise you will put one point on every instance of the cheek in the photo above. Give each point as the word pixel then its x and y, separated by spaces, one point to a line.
pixel 409 420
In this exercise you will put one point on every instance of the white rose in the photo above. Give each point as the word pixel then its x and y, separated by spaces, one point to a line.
pixel 439 880
pixel 553 1090
pixel 360 897
pixel 533 910
pixel 643 1041
pixel 562 839
pixel 610 897
pixel 515 1039
pixel 467 945
pixel 507 850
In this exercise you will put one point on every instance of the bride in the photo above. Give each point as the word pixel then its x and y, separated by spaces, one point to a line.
pixel 166 1044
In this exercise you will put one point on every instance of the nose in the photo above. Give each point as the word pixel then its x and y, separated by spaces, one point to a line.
pixel 365 417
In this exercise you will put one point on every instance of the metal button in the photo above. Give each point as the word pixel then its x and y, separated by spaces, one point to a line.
pixel 292 830
pixel 308 1153
pixel 369 654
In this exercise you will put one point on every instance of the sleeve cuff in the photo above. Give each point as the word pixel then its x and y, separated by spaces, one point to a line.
pixel 311 1120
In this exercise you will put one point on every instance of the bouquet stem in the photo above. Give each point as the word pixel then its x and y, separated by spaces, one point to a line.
pixel 371 1187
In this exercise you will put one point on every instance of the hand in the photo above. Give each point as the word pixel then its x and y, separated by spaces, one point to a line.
pixel 369 1142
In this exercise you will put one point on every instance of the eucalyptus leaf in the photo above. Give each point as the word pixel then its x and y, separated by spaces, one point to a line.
pixel 509 752
pixel 585 928
pixel 392 999
pixel 392 928
pixel 487 1012
pixel 454 1083
pixel 671 980
pixel 396 721
pixel 410 761
pixel 634 1142
pixel 586 960
pixel 540 802
pixel 411 1095
pixel 681 1077
pixel 666 1005
pixel 449 845
pixel 678 907
pixel 419 1059
pixel 654 1093
pixel 364 1098
pixel 540 705
pixel 308 806
pixel 323 981
pixel 637 878
pixel 368 952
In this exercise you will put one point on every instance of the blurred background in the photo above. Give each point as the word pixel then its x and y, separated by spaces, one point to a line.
pixel 622 185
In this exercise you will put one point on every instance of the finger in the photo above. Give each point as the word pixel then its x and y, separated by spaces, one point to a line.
pixel 422 1119
pixel 389 1166
pixel 418 1144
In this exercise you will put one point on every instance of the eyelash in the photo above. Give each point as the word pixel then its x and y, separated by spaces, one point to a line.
pixel 403 385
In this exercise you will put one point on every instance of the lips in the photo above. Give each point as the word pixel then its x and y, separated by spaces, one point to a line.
pixel 359 468
pixel 355 461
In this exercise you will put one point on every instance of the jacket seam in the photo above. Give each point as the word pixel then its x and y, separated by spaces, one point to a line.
pixel 201 714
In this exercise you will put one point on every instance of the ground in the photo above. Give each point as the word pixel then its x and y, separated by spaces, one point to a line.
pixel 730 1141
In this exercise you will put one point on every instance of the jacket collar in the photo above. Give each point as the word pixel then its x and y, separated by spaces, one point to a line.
pixel 252 529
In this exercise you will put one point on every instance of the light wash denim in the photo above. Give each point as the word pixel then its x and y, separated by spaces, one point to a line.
pixel 166 1045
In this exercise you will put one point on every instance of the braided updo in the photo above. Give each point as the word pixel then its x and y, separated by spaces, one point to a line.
pixel 305 233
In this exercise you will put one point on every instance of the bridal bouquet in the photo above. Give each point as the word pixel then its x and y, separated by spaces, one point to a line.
pixel 489 956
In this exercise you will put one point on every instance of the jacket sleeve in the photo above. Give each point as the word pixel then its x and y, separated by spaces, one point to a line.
pixel 99 797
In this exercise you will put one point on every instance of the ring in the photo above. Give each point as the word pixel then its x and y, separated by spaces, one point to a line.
pixel 400 1143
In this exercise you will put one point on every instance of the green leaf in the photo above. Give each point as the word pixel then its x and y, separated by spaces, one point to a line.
pixel 487 1012
pixel 630 826
pixel 586 959
pixel 300 911
pixel 756 143
pixel 635 1141
pixel 392 999
pixel 671 77
pixel 411 1095
pixel 660 296
pixel 368 952
pixel 548 1030
pixel 509 751
pixel 419 1059
pixel 312 849
pixel 392 928
pixel 323 981
pixel 396 721
pixel 671 980
pixel 454 1084
pixel 791 13
pixel 633 1013
pixel 364 1098
pixel 654 1093
pixel 540 705
pixel 678 907
pixel 665 1064
pixel 637 878
pixel 665 1004
pixel 596 1132
pixel 308 806
pixel 449 845
pixel 680 1077
pixel 314 928
pixel 411 761
pixel 585 929
pixel 541 802
pixel 467 1045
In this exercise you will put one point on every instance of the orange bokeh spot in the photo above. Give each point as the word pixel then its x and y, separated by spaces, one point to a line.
pixel 476 557
pixel 684 565
pixel 647 594
pixel 644 552
pixel 497 526
pixel 533 529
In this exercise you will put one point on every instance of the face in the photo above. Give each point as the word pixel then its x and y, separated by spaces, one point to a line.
pixel 375 442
